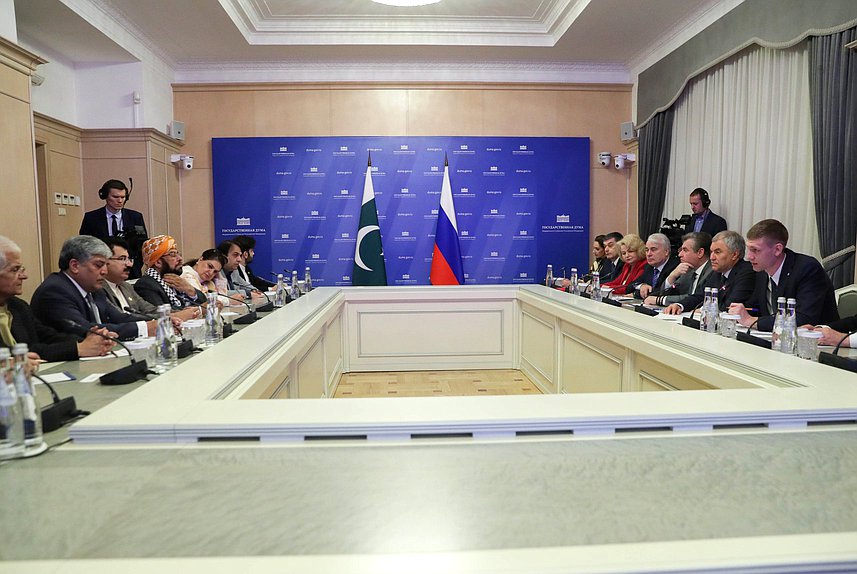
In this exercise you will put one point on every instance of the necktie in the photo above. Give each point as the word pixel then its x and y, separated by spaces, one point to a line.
pixel 6 326
pixel 95 316
pixel 693 284
pixel 114 225
pixel 655 274
pixel 772 300
pixel 229 282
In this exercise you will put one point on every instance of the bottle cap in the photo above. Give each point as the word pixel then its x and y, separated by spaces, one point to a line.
pixel 20 348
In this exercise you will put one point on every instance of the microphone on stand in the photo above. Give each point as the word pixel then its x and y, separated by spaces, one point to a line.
pixel 269 306
pixel 690 321
pixel 834 360
pixel 247 319
pixel 59 412
pixel 125 375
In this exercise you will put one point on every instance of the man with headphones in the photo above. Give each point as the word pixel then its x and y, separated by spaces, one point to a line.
pixel 115 220
pixel 704 220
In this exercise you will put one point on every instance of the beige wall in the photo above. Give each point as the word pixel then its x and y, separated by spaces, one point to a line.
pixel 60 173
pixel 258 110
pixel 142 155
pixel 19 209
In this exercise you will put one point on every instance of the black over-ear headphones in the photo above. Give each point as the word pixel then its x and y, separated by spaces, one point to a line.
pixel 703 195
pixel 116 184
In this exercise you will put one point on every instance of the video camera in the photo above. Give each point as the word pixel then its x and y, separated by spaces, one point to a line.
pixel 674 229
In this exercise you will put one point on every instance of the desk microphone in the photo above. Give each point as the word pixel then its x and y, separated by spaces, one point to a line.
pixel 834 360
pixel 690 321
pixel 269 306
pixel 247 319
pixel 125 375
pixel 59 412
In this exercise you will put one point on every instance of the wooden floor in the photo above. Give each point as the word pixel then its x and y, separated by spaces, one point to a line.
pixel 435 384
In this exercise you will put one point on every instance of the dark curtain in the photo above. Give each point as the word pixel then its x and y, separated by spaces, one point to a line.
pixel 655 147
pixel 833 105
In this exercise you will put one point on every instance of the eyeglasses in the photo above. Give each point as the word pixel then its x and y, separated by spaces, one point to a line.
pixel 19 270
pixel 123 259
pixel 172 253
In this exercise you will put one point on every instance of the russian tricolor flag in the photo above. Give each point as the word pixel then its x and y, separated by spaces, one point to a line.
pixel 446 267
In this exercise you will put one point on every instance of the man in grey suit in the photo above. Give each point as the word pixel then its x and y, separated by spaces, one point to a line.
pixel 690 275
pixel 121 293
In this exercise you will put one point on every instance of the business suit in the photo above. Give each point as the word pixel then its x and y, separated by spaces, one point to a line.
pixel 133 230
pixel 150 290
pixel 610 271
pixel 136 304
pixel 684 285
pixel 803 279
pixel 246 274
pixel 50 344
pixel 736 288
pixel 712 225
pixel 58 300
pixel 649 274
pixel 844 325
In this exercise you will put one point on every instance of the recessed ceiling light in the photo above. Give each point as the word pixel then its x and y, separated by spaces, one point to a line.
pixel 406 2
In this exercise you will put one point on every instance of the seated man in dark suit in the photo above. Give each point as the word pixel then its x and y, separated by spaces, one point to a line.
pixel 659 264
pixel 115 220
pixel 122 294
pixel 162 282
pixel 732 276
pixel 18 325
pixel 786 274
pixel 690 275
pixel 73 299
pixel 612 266
pixel 248 251
pixel 703 218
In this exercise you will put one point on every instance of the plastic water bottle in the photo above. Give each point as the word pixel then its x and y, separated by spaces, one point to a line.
pixel 11 419
pixel 280 292
pixel 549 276
pixel 295 290
pixel 713 313
pixel 573 287
pixel 213 322
pixel 705 311
pixel 30 410
pixel 307 281
pixel 779 320
pixel 788 337
pixel 165 336
pixel 596 286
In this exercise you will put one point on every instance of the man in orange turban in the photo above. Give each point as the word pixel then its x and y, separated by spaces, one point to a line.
pixel 162 282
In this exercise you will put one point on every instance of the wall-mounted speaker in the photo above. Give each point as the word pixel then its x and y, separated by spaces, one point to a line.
pixel 627 131
pixel 177 130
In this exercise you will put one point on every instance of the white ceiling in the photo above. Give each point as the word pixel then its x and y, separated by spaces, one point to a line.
pixel 233 33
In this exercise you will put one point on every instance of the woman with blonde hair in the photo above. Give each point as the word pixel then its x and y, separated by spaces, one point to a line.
pixel 633 250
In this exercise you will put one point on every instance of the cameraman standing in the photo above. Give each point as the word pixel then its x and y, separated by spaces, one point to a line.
pixel 114 220
pixel 703 220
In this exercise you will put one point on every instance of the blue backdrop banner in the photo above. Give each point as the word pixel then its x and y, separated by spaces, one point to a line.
pixel 521 203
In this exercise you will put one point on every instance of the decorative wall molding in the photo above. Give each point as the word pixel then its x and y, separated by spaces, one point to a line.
pixel 313 71
pixel 266 22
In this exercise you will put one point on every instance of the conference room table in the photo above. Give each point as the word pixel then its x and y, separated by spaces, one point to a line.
pixel 91 396
pixel 776 498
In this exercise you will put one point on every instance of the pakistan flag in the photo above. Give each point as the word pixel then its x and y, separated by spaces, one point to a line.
pixel 369 266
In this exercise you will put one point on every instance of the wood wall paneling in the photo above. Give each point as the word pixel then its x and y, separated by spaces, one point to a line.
pixel 19 206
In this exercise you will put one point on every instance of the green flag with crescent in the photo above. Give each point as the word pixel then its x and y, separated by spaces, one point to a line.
pixel 369 266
